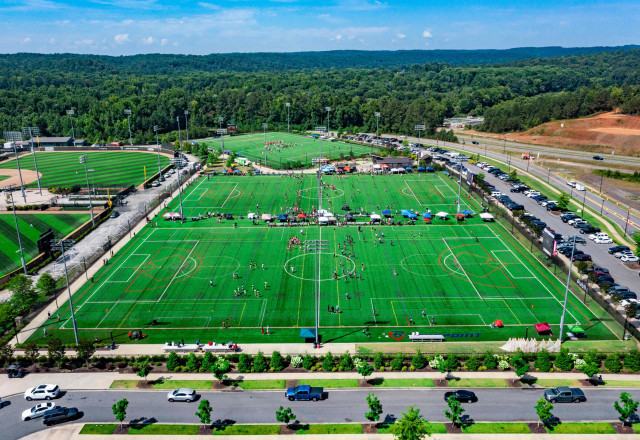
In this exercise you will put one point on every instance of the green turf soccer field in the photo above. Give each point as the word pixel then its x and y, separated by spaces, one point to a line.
pixel 31 226
pixel 182 274
pixel 111 168
pixel 303 148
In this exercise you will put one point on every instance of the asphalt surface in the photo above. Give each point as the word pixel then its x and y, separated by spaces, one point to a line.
pixel 599 254
pixel 615 213
pixel 342 406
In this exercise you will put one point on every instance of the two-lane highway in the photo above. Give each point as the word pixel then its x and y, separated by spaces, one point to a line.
pixel 342 406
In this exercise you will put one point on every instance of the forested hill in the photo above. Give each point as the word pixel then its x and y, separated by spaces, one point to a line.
pixel 251 62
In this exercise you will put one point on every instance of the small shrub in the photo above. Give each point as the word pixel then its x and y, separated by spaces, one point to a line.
pixel 277 361
pixel 418 361
pixel 612 363
pixel 192 362
pixel 412 368
pixel 307 363
pixel 472 364
pixel 327 362
pixel 397 362
pixel 404 368
pixel 244 363
pixel 296 361
pixel 543 361
pixel 260 363
pixel 346 362
pixel 382 368
pixel 436 362
pixel 490 361
pixel 207 361
pixel 632 361
pixel 564 360
pixel 377 361
pixel 172 362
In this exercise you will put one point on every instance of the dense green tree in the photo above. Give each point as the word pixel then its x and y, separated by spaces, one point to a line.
pixel 627 408
pixel 120 410
pixel 46 285
pixel 204 412
pixel 375 408
pixel 411 426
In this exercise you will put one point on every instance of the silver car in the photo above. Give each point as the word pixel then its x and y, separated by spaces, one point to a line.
pixel 37 411
pixel 183 394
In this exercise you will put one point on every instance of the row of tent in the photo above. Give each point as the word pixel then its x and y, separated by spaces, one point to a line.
pixel 403 170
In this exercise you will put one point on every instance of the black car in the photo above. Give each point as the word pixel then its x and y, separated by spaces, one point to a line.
pixel 60 414
pixel 461 396
pixel 474 142
pixel 597 158
pixel 515 207
pixel 589 230
pixel 539 223
pixel 605 279
pixel 613 250
pixel 597 269
pixel 553 207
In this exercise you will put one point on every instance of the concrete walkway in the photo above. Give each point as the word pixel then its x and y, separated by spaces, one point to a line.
pixel 72 432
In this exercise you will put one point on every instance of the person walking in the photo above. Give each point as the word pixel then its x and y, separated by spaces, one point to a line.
pixel 268 330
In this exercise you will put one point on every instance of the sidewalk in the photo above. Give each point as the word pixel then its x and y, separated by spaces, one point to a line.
pixel 103 381
pixel 72 432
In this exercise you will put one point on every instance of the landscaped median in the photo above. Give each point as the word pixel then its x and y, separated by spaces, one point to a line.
pixel 347 428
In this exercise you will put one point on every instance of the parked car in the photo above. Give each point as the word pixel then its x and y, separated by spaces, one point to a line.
pixel 37 411
pixel 461 396
pixel 627 302
pixel 568 218
pixel 573 220
pixel 114 214
pixel 597 158
pixel 580 224
pixel 598 235
pixel 589 230
pixel 182 395
pixel 576 238
pixel 42 392
pixel 629 259
pixel 602 240
pixel 616 249
pixel 623 253
pixel 565 394
pixel 582 257
pixel 597 269
pixel 618 289
pixel 60 414
pixel 305 392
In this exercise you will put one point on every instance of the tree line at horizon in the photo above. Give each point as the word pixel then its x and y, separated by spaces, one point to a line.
pixel 512 97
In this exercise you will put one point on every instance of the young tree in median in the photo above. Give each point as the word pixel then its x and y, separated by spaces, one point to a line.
pixel 120 410
pixel 543 410
pixel 520 365
pixel 85 350
pixel 563 201
pixel 365 370
pixel 6 352
pixel 285 416
pixel 144 370
pixel 375 408
pixel 628 407
pixel 220 368
pixel 411 426
pixel 55 350
pixel 204 412
pixel 454 411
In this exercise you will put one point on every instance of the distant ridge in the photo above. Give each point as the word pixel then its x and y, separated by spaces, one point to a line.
pixel 248 62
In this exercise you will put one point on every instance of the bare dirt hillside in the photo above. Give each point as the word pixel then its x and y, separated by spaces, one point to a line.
pixel 600 134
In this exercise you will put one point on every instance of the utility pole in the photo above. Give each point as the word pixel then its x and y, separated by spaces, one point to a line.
pixel 377 115
pixel 177 162
pixel 84 159
pixel 62 245
pixel 179 134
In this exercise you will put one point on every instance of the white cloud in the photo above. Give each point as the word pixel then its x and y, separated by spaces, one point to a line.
pixel 148 40
pixel 121 38
pixel 129 4
pixel 84 42
pixel 401 36
pixel 426 34
pixel 338 37
pixel 361 5
pixel 26 40
pixel 164 42
pixel 52 40
pixel 208 5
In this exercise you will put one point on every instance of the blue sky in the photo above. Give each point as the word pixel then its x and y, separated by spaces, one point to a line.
pixel 125 27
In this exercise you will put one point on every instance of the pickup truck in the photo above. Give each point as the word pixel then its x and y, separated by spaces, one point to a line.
pixel 565 394
pixel 305 392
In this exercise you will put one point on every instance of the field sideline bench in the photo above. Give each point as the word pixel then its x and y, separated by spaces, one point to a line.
pixel 189 348
pixel 417 337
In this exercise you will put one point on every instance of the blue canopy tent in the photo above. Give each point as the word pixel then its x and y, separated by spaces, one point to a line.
pixel 236 171
pixel 408 168
pixel 307 333
pixel 430 169
pixel 447 173
pixel 256 172
pixel 413 216
pixel 426 215
pixel 282 217
pixel 466 212
pixel 386 211
pixel 405 212
pixel 421 169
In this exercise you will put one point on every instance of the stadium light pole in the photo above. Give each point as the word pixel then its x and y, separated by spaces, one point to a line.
pixel 16 136
pixel 186 123
pixel 71 113
pixel 156 128
pixel 63 245
pixel 264 128
pixel 9 189
pixel 220 119
pixel 34 131
pixel 419 128
pixel 179 134
pixel 83 160
pixel 566 292
pixel 128 113
pixel 176 162
pixel 288 104
pixel 377 115
pixel 328 109
pixel 460 161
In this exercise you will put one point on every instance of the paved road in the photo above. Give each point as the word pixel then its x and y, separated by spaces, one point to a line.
pixel 343 406
pixel 598 252
pixel 615 213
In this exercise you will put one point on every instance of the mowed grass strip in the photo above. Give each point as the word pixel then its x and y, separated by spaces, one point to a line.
pixel 247 430
pixel 332 383
pixel 162 429
pixel 436 428
pixel 175 384
pixel 551 383
pixel 124 384
pixel 98 428
pixel 480 383
pixel 111 168
pixel 497 428
pixel 583 428
pixel 332 428
pixel 401 383
pixel 275 384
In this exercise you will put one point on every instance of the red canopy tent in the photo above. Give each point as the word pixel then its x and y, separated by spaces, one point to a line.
pixel 384 165
pixel 302 215
pixel 427 219
pixel 543 328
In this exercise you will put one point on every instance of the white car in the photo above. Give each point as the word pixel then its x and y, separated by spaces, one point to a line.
pixel 571 183
pixel 573 220
pixel 598 235
pixel 629 259
pixel 182 394
pixel 623 254
pixel 42 392
pixel 602 240
pixel 625 302
pixel 546 202
pixel 37 411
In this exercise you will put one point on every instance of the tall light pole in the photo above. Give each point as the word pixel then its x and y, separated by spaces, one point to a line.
pixel 84 159
pixel 179 134
pixel 34 131
pixel 288 104
pixel 566 292
pixel 16 136
pixel 63 245
pixel 156 128
pixel 459 182
pixel 220 119
pixel 128 113
pixel 318 245
pixel 71 113
pixel 328 109
pixel 264 128
pixel 377 115
pixel 177 162
pixel 419 128
pixel 186 123
pixel 9 189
